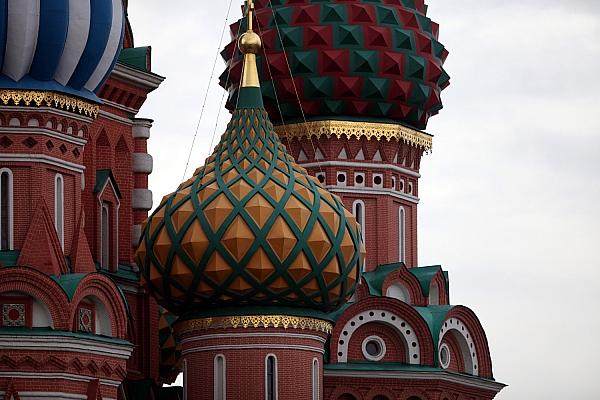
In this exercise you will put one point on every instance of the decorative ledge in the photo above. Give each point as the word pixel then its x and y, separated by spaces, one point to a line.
pixel 370 130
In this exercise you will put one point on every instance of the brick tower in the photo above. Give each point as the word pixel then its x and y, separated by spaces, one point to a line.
pixel 73 193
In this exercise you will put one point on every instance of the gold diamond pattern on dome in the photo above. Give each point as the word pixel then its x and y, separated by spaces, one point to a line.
pixel 250 227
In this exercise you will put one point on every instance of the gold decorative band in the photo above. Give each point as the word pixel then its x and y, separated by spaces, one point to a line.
pixel 255 321
pixel 50 99
pixel 370 130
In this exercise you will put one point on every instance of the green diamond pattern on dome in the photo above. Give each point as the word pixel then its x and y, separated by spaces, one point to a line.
pixel 375 88
pixel 349 35
pixel 250 228
pixel 403 39
pixel 333 13
pixel 292 37
pixel 387 15
pixel 304 62
pixel 364 61
pixel 319 87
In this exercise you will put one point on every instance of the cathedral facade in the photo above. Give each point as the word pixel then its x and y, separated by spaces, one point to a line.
pixel 285 268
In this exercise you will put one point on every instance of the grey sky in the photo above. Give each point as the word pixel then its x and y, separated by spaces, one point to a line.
pixel 510 196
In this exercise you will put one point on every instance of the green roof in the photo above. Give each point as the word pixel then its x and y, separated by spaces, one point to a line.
pixel 137 57
pixel 9 258
pixel 69 283
pixel 102 176
pixel 376 277
pixel 424 275
pixel 124 272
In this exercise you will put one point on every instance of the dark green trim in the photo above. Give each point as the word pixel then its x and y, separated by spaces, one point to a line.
pixel 137 57
pixel 239 311
pixel 102 175
pixel 250 97
pixel 9 258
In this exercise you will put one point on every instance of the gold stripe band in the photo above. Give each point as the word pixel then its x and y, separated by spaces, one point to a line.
pixel 50 99
pixel 255 321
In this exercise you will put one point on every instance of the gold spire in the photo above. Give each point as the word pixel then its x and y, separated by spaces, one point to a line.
pixel 250 45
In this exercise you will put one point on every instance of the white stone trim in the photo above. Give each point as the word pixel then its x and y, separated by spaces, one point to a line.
pixel 466 343
pixel 254 335
pixel 49 110
pixel 62 344
pixel 142 163
pixel 141 199
pixel 380 341
pixel 350 164
pixel 141 128
pixel 402 234
pixel 385 317
pixel 121 107
pixel 444 348
pixel 58 375
pixel 371 191
pixel 261 346
pixel 115 117
pixel 44 159
pixel 219 378
pixel 275 376
pixel 142 79
pixel 42 131
pixel 465 380
pixel 136 234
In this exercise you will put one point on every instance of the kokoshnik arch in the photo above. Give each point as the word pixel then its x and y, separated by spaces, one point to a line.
pixel 285 268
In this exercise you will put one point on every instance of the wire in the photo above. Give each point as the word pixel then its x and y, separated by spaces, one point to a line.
pixel 308 132
pixel 212 74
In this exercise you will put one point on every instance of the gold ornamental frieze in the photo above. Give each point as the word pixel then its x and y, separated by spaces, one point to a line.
pixel 255 321
pixel 49 99
pixel 369 130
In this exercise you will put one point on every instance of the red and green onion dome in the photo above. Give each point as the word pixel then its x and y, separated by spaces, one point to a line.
pixel 250 228
pixel 374 60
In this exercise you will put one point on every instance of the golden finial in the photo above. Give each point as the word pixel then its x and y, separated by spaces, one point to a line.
pixel 250 44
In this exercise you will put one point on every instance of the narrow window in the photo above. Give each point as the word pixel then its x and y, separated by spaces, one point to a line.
pixel 271 378
pixel 6 205
pixel 59 208
pixel 185 380
pixel 402 234
pixel 219 378
pixel 105 236
pixel 316 390
pixel 358 209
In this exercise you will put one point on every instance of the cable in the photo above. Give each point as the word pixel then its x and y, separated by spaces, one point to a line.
pixel 207 91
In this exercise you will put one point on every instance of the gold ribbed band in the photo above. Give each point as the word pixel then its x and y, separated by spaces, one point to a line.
pixel 370 130
pixel 50 99
pixel 255 321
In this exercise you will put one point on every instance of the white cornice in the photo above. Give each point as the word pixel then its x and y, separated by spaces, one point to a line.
pixel 442 376
pixel 49 110
pixel 146 80
pixel 61 344
pixel 44 159
pixel 34 130
pixel 253 335
pixel 263 346
pixel 371 191
pixel 351 164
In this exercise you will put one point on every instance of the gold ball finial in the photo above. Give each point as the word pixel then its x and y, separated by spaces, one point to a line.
pixel 250 43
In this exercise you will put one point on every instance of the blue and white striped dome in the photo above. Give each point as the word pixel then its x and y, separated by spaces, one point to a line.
pixel 67 46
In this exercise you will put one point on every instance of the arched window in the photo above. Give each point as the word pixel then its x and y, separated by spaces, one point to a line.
pixel 59 208
pixel 6 209
pixel 434 295
pixel 316 389
pixel 271 377
pixel 105 236
pixel 219 378
pixel 402 235
pixel 358 209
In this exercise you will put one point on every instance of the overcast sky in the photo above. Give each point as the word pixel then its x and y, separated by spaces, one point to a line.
pixel 510 196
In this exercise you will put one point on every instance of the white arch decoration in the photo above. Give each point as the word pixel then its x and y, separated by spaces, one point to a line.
pixel 405 330
pixel 465 341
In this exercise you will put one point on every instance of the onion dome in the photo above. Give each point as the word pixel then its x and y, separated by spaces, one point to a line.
pixel 58 46
pixel 251 227
pixel 348 60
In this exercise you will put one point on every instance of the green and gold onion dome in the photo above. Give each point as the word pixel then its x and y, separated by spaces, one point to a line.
pixel 251 227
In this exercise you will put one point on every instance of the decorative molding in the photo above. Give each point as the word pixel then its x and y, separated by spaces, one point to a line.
pixel 62 344
pixel 358 129
pixel 142 163
pixel 42 159
pixel 255 321
pixel 142 199
pixel 361 165
pixel 53 375
pixel 146 80
pixel 474 382
pixel 50 99
pixel 254 335
pixel 262 346
pixel 50 110
pixel 368 191
pixel 79 141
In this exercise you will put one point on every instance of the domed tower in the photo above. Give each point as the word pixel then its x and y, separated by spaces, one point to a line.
pixel 73 187
pixel 251 253
pixel 350 86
